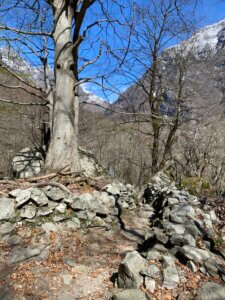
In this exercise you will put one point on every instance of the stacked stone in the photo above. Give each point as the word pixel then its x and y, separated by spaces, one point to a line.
pixel 182 231
pixel 52 204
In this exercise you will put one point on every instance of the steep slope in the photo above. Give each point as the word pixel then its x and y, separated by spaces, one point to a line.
pixel 14 62
pixel 205 70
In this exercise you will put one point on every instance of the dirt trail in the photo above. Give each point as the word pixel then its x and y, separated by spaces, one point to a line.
pixel 81 267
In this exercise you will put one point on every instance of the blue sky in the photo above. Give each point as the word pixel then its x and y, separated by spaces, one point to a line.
pixel 207 12
pixel 210 11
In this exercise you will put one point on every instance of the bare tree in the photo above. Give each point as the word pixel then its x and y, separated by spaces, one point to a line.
pixel 157 103
pixel 62 26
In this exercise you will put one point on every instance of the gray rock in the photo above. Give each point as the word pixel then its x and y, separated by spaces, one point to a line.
pixel 5 293
pixel 177 239
pixel 54 193
pixel 185 210
pixel 44 211
pixel 105 199
pixel 83 202
pixel 190 240
pixel 123 204
pixel 7 209
pixel 15 193
pixel 211 291
pixel 52 205
pixel 38 196
pixel 152 271
pixel 203 270
pixel 154 254
pixel 59 218
pixel 195 254
pixel 211 267
pixel 193 230
pixel 97 221
pixel 89 164
pixel 27 163
pixel 21 254
pixel 213 216
pixel 6 229
pixel 172 200
pixel 23 196
pixel 168 260
pixel 69 199
pixel 177 219
pixel 112 189
pixel 61 208
pixel 131 294
pixel 49 226
pixel 160 235
pixel 86 215
pixel 28 212
pixel 14 240
pixel 176 228
pixel 150 284
pixel 129 270
pixel 161 248
pixel 170 277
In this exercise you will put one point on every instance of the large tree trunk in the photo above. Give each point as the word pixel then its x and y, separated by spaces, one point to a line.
pixel 63 147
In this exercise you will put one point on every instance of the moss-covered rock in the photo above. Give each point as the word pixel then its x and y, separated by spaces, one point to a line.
pixel 196 186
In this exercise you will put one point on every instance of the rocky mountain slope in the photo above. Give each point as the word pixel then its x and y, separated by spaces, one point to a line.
pixel 23 67
pixel 204 77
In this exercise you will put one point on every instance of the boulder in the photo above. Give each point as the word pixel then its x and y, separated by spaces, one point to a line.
pixel 6 229
pixel 38 196
pixel 6 293
pixel 195 254
pixel 28 212
pixel 129 274
pixel 89 164
pixel 61 208
pixel 131 294
pixel 19 254
pixel 211 291
pixel 22 196
pixel 7 209
pixel 27 163
pixel 54 193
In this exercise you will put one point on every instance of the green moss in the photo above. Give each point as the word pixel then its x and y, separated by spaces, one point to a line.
pixel 196 186
pixel 8 108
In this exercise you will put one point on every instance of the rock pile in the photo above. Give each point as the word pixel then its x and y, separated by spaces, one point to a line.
pixel 53 205
pixel 182 232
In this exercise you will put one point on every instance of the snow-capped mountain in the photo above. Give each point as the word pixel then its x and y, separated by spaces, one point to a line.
pixel 11 60
pixel 206 41
pixel 20 66
pixel 204 74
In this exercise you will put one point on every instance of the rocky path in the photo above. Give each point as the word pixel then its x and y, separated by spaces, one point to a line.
pixel 79 266
pixel 163 245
